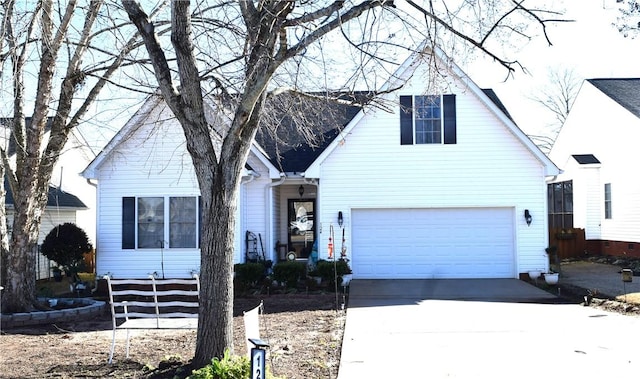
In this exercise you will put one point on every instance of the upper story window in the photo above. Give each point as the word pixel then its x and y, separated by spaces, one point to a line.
pixel 160 222
pixel 427 119
pixel 607 200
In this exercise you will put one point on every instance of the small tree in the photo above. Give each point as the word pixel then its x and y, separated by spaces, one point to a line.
pixel 66 245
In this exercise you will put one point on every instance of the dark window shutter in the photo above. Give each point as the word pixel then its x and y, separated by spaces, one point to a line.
pixel 406 120
pixel 128 222
pixel 199 220
pixel 449 110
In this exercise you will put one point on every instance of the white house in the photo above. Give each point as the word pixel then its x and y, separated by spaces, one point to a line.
pixel 436 187
pixel 595 149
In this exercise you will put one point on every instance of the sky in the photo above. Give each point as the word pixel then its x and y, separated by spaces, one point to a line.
pixel 591 46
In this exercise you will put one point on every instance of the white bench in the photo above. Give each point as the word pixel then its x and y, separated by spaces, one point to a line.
pixel 152 304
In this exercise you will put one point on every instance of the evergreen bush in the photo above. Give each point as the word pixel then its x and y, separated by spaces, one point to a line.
pixel 66 245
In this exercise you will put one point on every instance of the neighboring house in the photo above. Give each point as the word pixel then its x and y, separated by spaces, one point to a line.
pixel 61 207
pixel 71 197
pixel 434 183
pixel 596 149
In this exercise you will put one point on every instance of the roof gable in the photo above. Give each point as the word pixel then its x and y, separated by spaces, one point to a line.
pixel 155 103
pixel 487 97
pixel 623 91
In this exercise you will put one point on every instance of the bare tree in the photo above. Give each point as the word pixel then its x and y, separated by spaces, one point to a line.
pixel 41 42
pixel 247 48
pixel 628 21
pixel 557 96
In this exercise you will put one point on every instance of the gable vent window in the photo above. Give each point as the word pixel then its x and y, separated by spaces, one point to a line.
pixel 429 119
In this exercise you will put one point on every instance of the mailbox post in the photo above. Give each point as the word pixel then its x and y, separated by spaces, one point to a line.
pixel 258 355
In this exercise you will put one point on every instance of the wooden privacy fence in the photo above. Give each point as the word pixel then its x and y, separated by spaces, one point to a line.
pixel 570 242
pixel 90 261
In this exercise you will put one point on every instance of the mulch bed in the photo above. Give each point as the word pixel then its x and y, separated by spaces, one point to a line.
pixel 304 333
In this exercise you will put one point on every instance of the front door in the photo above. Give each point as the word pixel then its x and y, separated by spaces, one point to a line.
pixel 301 226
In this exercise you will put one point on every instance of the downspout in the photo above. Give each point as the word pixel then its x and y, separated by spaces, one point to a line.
pixel 96 247
pixel 269 214
pixel 250 177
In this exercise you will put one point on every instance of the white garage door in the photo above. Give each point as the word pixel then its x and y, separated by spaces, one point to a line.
pixel 433 243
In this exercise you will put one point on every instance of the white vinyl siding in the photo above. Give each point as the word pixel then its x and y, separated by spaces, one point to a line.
pixel 152 161
pixel 488 167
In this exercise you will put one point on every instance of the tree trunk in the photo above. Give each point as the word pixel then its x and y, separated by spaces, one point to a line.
pixel 19 294
pixel 215 333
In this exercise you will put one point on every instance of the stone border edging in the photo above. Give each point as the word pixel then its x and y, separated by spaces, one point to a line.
pixel 91 309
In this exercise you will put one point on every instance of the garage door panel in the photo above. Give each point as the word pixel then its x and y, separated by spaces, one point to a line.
pixel 433 243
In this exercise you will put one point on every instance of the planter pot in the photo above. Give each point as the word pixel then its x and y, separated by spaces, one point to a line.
pixel 551 278
pixel 535 274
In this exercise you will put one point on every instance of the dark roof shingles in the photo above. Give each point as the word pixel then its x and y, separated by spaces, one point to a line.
pixel 55 198
pixel 585 158
pixel 624 91
pixel 290 151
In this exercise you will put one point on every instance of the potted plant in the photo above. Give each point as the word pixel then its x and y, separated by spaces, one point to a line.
pixel 551 278
pixel 332 270
pixel 534 274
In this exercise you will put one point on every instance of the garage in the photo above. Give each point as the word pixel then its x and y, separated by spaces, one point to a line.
pixel 433 243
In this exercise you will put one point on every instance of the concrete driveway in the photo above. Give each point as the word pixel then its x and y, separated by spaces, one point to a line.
pixel 480 328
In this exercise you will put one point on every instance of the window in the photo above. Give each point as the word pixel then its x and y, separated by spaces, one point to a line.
pixel 182 222
pixel 150 222
pixel 607 200
pixel 560 204
pixel 427 119
pixel 159 222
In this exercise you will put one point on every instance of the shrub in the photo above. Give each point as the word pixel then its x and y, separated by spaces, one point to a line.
pixel 229 367
pixel 249 274
pixel 289 272
pixel 66 245
pixel 327 270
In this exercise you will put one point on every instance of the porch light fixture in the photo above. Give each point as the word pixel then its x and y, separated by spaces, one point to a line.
pixel 340 219
pixel 301 190
pixel 527 217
